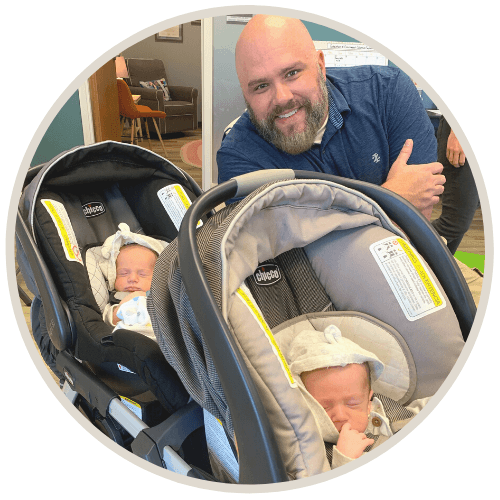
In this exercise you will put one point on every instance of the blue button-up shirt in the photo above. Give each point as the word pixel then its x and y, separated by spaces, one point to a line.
pixel 372 111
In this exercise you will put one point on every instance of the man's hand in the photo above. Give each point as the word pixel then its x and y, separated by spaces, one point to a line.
pixel 421 185
pixel 351 443
pixel 454 151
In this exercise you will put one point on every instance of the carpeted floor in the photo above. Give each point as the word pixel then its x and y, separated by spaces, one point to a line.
pixel 192 153
pixel 173 145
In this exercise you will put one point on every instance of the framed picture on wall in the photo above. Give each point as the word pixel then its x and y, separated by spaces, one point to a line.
pixel 238 18
pixel 173 34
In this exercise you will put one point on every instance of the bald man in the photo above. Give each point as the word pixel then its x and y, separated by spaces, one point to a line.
pixel 366 123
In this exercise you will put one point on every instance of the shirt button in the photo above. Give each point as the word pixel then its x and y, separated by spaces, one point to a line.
pixel 376 422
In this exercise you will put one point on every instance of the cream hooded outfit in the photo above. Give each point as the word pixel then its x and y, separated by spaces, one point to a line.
pixel 133 314
pixel 311 350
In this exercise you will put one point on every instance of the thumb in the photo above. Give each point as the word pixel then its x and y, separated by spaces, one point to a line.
pixel 404 154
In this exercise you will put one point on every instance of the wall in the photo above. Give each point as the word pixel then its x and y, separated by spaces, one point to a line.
pixel 182 60
pixel 65 132
pixel 228 102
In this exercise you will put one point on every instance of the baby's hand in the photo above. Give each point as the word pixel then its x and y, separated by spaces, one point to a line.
pixel 351 443
pixel 131 295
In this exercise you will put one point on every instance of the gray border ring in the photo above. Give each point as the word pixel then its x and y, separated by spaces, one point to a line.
pixel 214 12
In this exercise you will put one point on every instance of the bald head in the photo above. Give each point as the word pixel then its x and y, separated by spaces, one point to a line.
pixel 282 77
pixel 265 35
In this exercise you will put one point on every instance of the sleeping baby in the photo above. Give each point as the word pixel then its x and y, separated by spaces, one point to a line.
pixel 130 260
pixel 335 375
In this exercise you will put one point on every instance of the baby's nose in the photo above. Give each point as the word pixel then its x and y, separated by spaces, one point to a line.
pixel 339 417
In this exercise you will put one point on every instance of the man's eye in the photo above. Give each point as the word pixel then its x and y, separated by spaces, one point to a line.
pixel 292 73
pixel 262 86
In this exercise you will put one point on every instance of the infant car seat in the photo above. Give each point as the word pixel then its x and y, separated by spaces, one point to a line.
pixel 68 207
pixel 302 250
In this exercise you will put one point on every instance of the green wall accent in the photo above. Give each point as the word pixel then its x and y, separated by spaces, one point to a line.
pixel 471 260
pixel 65 132
pixel 324 34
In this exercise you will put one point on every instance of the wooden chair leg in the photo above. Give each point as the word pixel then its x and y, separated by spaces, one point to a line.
pixel 159 137
pixel 147 133
pixel 139 130
pixel 122 124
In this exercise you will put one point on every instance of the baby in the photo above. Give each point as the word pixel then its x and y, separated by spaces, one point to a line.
pixel 345 394
pixel 134 271
pixel 334 375
pixel 129 260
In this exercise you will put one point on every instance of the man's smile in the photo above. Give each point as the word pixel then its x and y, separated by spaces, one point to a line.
pixel 287 115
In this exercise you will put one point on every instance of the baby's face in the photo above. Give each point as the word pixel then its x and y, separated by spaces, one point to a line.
pixel 343 392
pixel 134 269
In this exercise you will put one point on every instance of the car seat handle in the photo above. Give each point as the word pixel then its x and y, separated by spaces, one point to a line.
pixel 248 183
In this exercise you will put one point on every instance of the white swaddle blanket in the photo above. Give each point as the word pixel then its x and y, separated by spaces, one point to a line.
pixel 133 314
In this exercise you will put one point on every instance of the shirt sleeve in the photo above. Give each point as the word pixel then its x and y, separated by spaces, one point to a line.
pixel 339 458
pixel 231 164
pixel 408 119
pixel 107 314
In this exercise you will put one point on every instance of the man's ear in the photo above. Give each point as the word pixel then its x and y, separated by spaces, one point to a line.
pixel 321 62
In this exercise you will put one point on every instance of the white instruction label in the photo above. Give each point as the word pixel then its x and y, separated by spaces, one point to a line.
pixel 132 406
pixel 408 277
pixel 64 228
pixel 218 444
pixel 176 202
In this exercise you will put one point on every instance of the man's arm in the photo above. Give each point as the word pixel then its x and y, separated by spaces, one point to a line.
pixel 414 174
pixel 230 164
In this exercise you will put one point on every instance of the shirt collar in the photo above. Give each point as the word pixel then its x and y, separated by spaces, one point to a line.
pixel 337 106
pixel 335 98
pixel 334 115
pixel 378 423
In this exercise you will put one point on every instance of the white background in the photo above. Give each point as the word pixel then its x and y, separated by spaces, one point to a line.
pixel 46 46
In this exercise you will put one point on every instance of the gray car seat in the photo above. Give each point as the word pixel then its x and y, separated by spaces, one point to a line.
pixel 322 252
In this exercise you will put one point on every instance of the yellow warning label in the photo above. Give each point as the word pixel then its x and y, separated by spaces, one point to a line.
pixel 433 293
pixel 123 398
pixel 60 226
pixel 269 335
pixel 182 196
pixel 176 202
pixel 64 228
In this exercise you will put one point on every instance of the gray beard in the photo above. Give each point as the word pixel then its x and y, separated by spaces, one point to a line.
pixel 301 141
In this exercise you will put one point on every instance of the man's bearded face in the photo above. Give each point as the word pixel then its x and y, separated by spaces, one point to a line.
pixel 294 142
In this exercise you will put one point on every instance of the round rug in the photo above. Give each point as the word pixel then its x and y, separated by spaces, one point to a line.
pixel 191 153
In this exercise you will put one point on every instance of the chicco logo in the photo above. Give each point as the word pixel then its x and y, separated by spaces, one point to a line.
pixel 93 209
pixel 267 274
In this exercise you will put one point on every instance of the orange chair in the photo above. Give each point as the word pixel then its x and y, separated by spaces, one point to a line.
pixel 133 111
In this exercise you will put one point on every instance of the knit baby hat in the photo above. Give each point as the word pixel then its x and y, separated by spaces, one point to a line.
pixel 112 245
pixel 312 349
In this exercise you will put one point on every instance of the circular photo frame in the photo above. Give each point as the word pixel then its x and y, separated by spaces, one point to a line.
pixel 202 436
